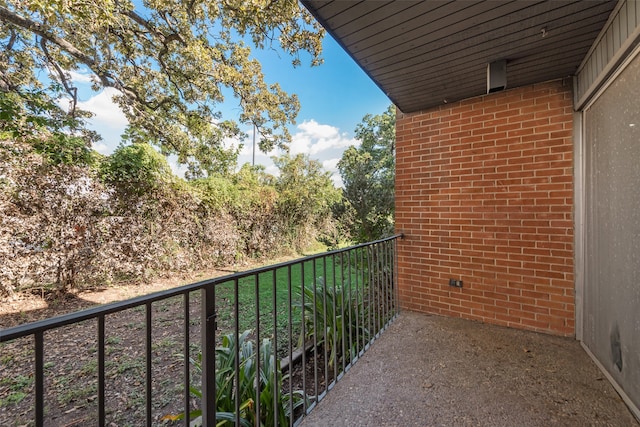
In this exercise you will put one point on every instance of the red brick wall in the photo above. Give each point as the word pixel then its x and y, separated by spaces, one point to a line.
pixel 484 193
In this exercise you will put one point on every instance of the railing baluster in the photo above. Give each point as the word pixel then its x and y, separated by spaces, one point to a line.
pixel 148 364
pixel 257 380
pixel 356 310
pixel 389 282
pixel 39 377
pixel 392 274
pixel 360 298
pixel 186 358
pixel 387 288
pixel 101 367
pixel 290 332
pixel 342 291
pixel 277 391
pixel 350 306
pixel 304 336
pixel 315 329
pixel 379 281
pixel 362 308
pixel 236 326
pixel 385 282
pixel 367 274
pixel 334 313
pixel 208 339
pixel 385 306
pixel 395 275
pixel 374 292
pixel 325 285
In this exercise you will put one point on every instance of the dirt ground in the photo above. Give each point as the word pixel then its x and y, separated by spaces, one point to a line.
pixel 29 307
pixel 437 371
pixel 70 357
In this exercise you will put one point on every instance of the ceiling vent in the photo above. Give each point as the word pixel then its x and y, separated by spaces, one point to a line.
pixel 496 76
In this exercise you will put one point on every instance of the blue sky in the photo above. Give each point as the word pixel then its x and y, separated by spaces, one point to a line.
pixel 333 99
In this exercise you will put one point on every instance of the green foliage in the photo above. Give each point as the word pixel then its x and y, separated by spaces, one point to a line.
pixel 64 149
pixel 306 194
pixel 368 174
pixel 216 192
pixel 329 312
pixel 136 169
pixel 172 63
pixel 36 119
pixel 238 193
pixel 261 385
pixel 16 389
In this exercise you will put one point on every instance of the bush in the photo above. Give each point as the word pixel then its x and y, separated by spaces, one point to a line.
pixel 333 313
pixel 268 380
pixel 66 225
pixel 136 169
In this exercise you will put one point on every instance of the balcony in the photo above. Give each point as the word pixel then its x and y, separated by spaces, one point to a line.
pixel 316 341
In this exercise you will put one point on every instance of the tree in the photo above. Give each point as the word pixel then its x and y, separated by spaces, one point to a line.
pixel 306 195
pixel 171 61
pixel 368 174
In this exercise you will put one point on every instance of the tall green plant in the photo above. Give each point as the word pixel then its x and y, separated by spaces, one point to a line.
pixel 269 378
pixel 334 312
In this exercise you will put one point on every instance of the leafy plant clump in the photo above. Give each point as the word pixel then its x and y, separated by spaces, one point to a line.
pixel 263 385
pixel 136 169
pixel 330 317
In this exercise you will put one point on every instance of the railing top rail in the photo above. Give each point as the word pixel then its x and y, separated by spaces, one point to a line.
pixel 95 312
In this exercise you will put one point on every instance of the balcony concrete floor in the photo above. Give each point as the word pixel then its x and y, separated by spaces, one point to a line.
pixel 436 371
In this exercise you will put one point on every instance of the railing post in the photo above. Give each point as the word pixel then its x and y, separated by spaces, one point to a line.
pixel 208 312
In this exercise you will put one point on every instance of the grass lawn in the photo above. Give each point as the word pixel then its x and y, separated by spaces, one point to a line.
pixel 270 295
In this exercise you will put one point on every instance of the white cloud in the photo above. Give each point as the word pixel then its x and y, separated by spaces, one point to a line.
pixel 106 112
pixel 313 138
pixel 316 130
pixel 108 120
pixel 102 148
pixel 330 165
pixel 82 76
pixel 324 143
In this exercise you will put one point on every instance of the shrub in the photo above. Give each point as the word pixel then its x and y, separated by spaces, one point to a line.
pixel 136 169
pixel 269 378
pixel 333 304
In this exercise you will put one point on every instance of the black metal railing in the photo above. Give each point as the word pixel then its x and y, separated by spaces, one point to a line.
pixel 260 347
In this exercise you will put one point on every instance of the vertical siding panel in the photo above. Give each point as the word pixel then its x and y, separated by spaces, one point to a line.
pixel 621 27
pixel 630 10
pixel 616 32
pixel 610 48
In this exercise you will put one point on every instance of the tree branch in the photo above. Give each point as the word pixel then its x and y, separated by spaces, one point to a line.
pixel 37 28
pixel 106 78
pixel 71 91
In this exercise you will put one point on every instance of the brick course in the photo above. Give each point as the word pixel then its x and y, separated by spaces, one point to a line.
pixel 484 193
